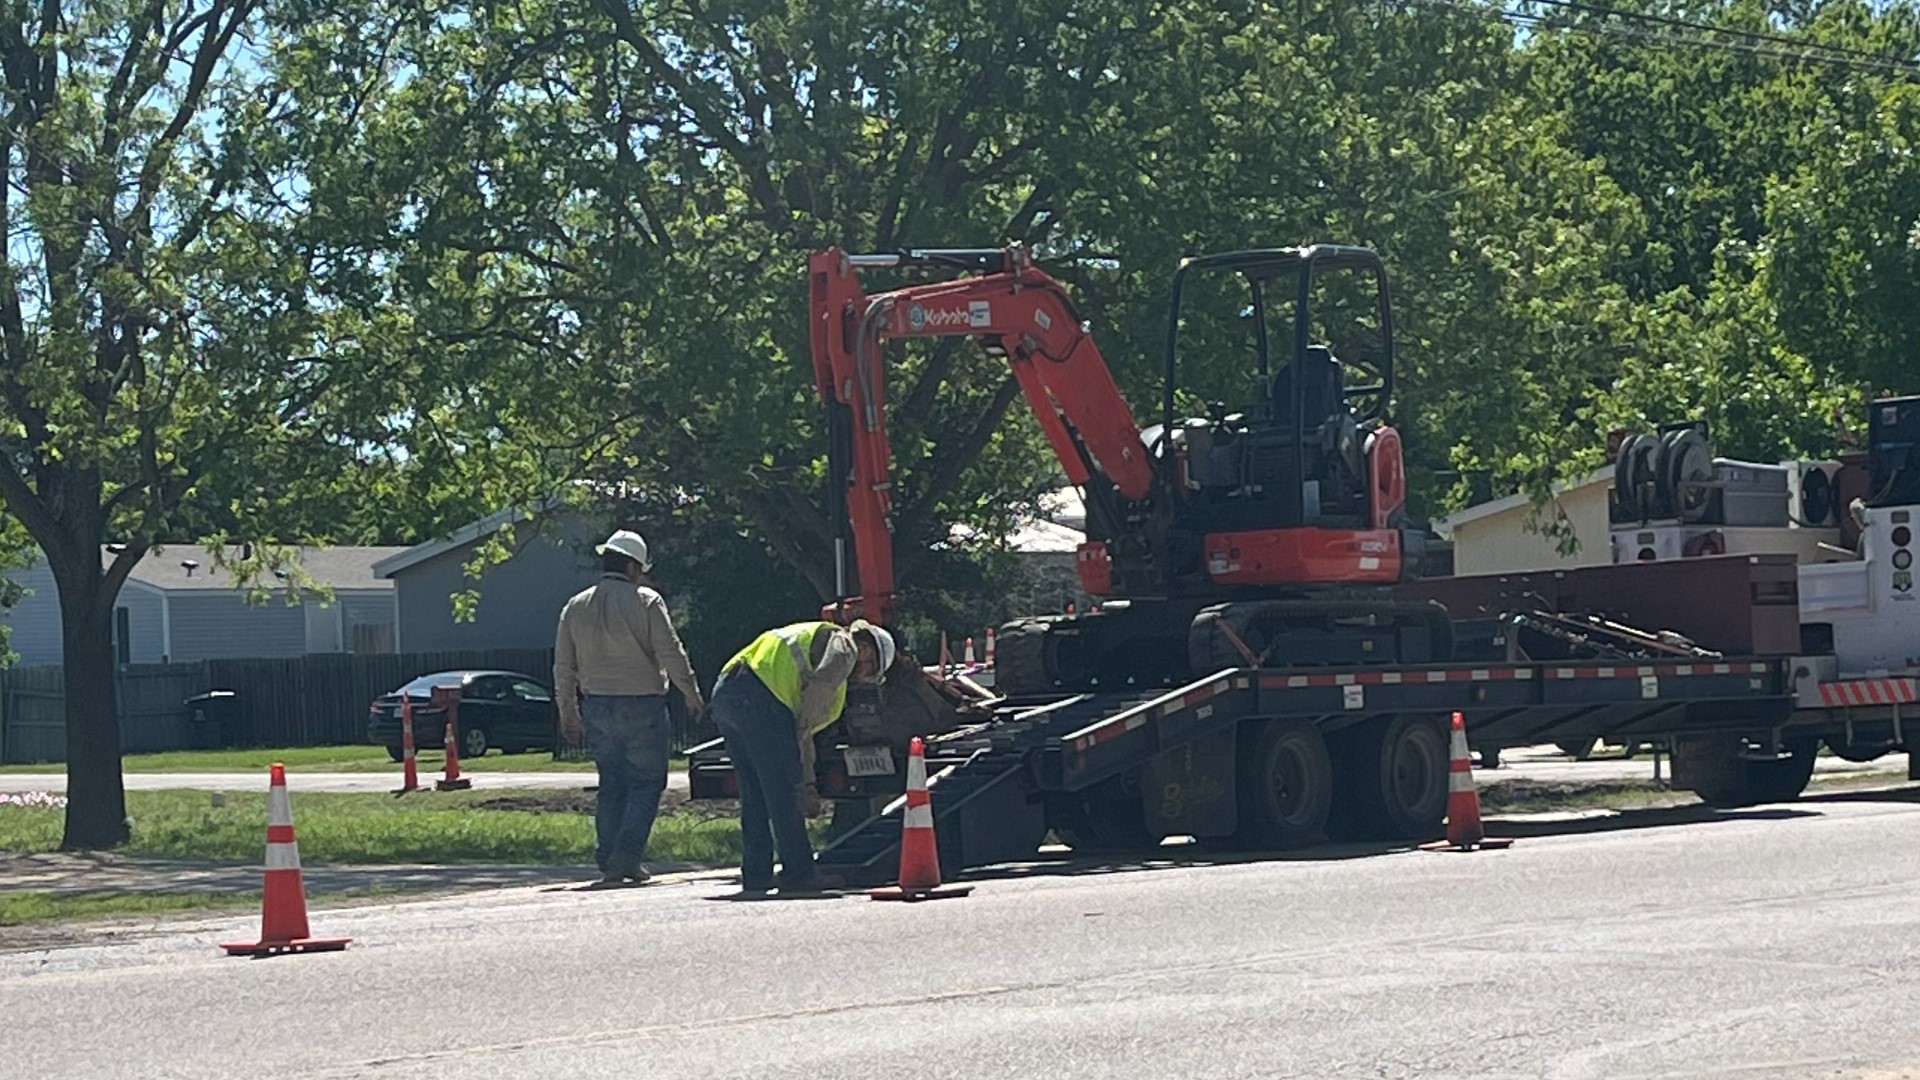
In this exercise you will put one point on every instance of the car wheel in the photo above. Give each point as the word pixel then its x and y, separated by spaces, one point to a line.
pixel 473 742
pixel 396 753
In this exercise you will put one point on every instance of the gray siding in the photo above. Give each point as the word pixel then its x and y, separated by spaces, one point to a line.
pixel 520 599
pixel 369 610
pixel 365 608
pixel 323 626
pixel 146 625
pixel 216 624
pixel 34 622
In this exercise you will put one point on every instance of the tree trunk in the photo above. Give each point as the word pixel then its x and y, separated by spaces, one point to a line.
pixel 96 797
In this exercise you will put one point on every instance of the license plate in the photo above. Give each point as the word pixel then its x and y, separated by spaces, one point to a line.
pixel 869 760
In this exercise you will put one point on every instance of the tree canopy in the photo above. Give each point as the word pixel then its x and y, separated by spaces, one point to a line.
pixel 282 270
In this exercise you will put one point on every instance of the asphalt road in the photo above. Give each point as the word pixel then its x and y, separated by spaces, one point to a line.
pixel 1767 945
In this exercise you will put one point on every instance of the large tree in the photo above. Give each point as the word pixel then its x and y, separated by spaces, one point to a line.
pixel 178 339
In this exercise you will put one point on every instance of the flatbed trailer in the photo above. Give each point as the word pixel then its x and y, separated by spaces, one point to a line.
pixel 1280 758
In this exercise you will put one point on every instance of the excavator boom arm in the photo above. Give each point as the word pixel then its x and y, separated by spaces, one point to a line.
pixel 1018 312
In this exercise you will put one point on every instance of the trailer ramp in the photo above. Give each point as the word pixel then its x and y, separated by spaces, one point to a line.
pixel 985 805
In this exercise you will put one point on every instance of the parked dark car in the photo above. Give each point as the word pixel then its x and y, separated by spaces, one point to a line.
pixel 502 709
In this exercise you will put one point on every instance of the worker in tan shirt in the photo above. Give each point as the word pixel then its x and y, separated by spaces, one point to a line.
pixel 613 656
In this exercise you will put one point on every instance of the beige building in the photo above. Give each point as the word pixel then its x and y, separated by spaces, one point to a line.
pixel 1505 535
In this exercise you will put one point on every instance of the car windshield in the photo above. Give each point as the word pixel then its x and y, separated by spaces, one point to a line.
pixel 423 686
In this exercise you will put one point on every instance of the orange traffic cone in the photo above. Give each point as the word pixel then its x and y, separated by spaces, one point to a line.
pixel 967 657
pixel 989 646
pixel 410 780
pixel 283 904
pixel 919 856
pixel 451 780
pixel 1464 830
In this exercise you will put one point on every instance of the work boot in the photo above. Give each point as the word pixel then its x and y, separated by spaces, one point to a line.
pixel 816 882
pixel 620 868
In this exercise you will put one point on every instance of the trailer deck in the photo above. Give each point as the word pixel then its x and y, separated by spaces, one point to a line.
pixel 998 785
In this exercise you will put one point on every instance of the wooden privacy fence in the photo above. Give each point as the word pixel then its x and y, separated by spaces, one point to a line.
pixel 295 701
pixel 319 699
pixel 33 710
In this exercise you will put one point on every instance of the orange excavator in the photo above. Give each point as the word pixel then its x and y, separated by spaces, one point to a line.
pixel 1267 536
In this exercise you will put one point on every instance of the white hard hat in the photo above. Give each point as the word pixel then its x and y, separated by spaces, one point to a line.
pixel 882 642
pixel 628 543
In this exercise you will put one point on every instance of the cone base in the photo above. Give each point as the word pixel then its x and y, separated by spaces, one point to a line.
pixel 297 945
pixel 462 784
pixel 1491 843
pixel 942 892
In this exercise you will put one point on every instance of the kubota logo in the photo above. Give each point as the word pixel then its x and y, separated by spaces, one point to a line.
pixel 977 313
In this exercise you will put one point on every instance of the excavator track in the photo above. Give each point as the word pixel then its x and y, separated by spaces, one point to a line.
pixel 1271 633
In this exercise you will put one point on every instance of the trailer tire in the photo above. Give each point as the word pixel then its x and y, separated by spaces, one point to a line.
pixel 1391 780
pixel 1717 771
pixel 1579 749
pixel 1857 752
pixel 1408 786
pixel 1285 785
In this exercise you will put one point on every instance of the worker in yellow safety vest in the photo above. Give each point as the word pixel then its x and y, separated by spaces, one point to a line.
pixel 772 698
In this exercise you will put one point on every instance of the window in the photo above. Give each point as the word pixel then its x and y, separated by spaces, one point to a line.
pixel 487 688
pixel 122 636
pixel 532 691
pixel 423 686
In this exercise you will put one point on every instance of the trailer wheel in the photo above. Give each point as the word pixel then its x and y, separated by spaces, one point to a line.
pixel 1579 749
pixel 1716 770
pixel 1868 750
pixel 1285 785
pixel 1391 780
pixel 1104 819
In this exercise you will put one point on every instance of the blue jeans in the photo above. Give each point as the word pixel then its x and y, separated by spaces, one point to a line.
pixel 764 746
pixel 631 739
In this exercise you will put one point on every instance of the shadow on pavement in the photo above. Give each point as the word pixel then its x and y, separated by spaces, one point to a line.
pixel 1907 794
pixel 1184 856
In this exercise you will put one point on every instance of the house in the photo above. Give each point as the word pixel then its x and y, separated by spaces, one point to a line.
pixel 519 599
pixel 1504 535
pixel 1046 547
pixel 178 607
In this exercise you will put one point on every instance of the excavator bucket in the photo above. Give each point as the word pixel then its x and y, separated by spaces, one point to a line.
pixel 911 703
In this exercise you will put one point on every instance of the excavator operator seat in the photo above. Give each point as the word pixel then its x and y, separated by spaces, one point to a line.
pixel 1323 389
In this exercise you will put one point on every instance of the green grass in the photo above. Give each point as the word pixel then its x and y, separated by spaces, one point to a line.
pixel 525 827
pixel 20 907
pixel 323 759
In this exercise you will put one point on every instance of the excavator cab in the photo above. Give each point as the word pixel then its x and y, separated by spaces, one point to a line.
pixel 1298 457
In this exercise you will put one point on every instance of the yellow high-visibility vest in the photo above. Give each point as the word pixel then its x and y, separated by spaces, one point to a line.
pixel 782 658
